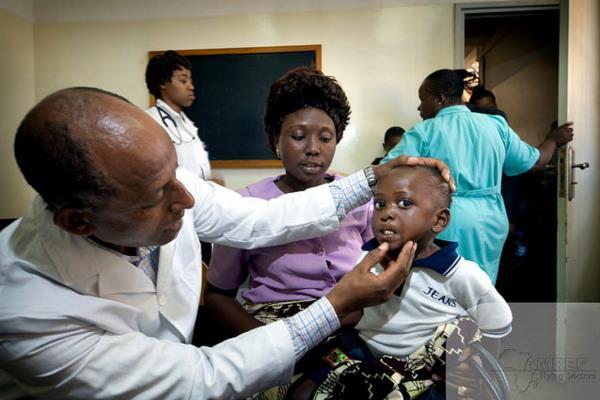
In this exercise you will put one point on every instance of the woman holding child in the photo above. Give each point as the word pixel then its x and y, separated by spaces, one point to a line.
pixel 305 117
pixel 478 148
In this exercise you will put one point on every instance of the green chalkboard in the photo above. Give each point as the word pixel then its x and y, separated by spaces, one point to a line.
pixel 231 88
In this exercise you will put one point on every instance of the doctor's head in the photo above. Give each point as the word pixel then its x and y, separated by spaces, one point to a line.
pixel 169 78
pixel 104 168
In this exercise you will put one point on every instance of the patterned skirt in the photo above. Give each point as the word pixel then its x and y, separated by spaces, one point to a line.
pixel 271 312
pixel 344 368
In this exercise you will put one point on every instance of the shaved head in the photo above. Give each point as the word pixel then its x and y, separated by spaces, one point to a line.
pixel 66 144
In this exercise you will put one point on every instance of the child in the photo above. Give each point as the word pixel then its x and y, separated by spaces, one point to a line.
pixel 414 330
pixel 390 139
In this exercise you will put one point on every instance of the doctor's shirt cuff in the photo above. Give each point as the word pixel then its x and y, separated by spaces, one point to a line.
pixel 311 326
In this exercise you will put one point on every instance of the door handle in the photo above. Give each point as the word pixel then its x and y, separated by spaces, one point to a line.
pixel 582 165
pixel 571 167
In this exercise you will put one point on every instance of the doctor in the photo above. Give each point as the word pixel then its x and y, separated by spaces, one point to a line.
pixel 169 80
pixel 100 280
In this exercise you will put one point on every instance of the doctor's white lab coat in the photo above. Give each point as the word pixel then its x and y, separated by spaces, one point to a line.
pixel 79 321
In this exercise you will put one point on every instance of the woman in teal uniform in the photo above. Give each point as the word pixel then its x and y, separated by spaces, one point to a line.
pixel 478 148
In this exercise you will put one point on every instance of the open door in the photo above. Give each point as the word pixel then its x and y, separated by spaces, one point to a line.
pixel 552 352
pixel 578 261
pixel 577 244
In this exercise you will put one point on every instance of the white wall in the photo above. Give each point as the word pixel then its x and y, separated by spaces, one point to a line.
pixel 379 55
pixel 17 88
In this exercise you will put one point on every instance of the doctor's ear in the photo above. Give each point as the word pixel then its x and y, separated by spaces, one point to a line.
pixel 75 221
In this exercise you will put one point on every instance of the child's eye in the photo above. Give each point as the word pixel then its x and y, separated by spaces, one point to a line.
pixel 405 203
pixel 379 204
pixel 297 137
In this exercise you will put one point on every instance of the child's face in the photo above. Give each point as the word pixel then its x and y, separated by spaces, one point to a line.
pixel 407 208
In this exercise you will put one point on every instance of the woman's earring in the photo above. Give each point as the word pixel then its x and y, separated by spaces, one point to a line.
pixel 277 153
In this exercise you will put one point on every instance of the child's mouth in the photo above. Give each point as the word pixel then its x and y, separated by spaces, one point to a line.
pixel 387 234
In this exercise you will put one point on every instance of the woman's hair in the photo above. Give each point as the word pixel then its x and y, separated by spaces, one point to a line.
pixel 160 70
pixel 301 88
pixel 480 92
pixel 450 83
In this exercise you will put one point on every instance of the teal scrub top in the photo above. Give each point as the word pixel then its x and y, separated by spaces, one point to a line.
pixel 477 148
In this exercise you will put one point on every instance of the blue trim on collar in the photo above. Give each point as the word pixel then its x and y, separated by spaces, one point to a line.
pixel 442 261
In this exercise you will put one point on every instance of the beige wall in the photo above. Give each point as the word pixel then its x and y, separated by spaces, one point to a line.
pixel 17 88
pixel 379 55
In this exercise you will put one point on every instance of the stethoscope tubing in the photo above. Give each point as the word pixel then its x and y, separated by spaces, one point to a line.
pixel 176 137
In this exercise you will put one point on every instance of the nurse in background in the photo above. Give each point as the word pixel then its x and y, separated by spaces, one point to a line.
pixel 169 80
pixel 478 148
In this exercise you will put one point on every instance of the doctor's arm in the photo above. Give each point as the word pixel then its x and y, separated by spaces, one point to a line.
pixel 60 356
pixel 222 216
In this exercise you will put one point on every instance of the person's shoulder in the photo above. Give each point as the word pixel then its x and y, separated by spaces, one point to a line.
pixel 427 127
pixel 469 274
pixel 488 115
pixel 152 111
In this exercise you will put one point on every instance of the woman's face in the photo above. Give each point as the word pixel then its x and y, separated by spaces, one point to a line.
pixel 430 103
pixel 306 145
pixel 179 91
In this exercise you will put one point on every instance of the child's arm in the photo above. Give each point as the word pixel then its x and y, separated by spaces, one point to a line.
pixel 223 305
pixel 476 294
pixel 492 314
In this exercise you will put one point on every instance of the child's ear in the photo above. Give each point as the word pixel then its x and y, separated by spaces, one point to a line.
pixel 441 221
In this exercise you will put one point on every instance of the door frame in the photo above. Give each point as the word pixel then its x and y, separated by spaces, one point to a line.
pixel 490 7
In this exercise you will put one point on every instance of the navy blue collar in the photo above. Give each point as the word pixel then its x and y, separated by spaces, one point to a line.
pixel 442 261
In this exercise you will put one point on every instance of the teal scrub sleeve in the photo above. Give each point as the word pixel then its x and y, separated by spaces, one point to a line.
pixel 520 156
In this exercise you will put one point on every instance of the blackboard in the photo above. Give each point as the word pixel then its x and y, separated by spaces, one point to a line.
pixel 231 87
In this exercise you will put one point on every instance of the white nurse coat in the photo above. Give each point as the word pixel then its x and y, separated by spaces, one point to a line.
pixel 190 149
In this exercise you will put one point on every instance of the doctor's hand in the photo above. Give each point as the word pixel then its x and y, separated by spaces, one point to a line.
pixel 382 169
pixel 360 288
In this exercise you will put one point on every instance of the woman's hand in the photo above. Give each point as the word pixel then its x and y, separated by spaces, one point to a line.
pixel 382 169
pixel 461 380
pixel 562 135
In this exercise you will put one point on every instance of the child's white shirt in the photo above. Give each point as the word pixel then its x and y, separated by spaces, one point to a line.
pixel 443 288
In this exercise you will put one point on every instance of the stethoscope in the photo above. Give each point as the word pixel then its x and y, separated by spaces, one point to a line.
pixel 176 136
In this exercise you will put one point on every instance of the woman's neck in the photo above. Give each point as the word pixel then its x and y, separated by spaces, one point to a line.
pixel 171 104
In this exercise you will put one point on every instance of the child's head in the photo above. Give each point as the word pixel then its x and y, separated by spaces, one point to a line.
pixel 392 137
pixel 411 203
